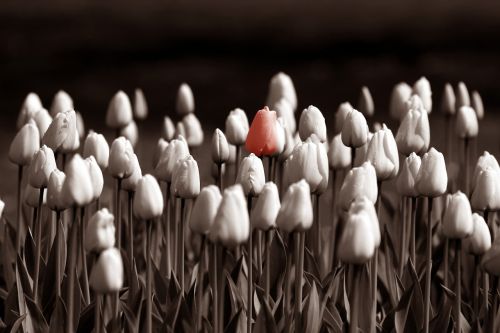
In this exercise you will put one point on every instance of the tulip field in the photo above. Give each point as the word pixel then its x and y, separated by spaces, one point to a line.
pixel 309 221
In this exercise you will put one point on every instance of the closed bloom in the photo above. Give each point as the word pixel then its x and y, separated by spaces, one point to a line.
pixel 360 181
pixel 120 158
pixel 281 86
pixel 80 126
pixel 364 205
pixel 131 133
pixel 25 144
pixel 62 135
pixel 148 199
pixel 486 191
pixel 42 119
pixel 168 129
pixel 251 175
pixel 107 273
pixel 119 112
pixel 263 135
pixel 97 146
pixel 448 101
pixel 31 105
pixel 231 225
pixel 355 130
pixel 360 157
pixel 284 110
pixel 339 155
pixel 185 100
pixel 96 176
pixel 406 179
pixel 414 133
pixel 484 161
pixel 78 188
pixel 457 221
pixel 296 212
pixel 432 178
pixel 55 197
pixel 194 132
pixel 480 240
pixel 266 209
pixel 365 102
pixel 289 144
pixel 463 98
pixel 160 148
pixel 466 125
pixel 312 122
pixel 140 105
pixel 204 209
pixel 100 232
pixel 220 147
pixel 41 167
pixel 400 94
pixel 237 127
pixel 477 105
pixel 342 111
pixel 422 88
pixel 491 259
pixel 32 195
pixel 130 183
pixel 383 154
pixel 186 178
pixel 61 102
pixel 176 150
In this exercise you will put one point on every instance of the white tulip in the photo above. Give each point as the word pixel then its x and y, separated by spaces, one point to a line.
pixel 466 125
pixel 78 188
pixel 148 199
pixel 457 220
pixel 176 150
pixel 312 122
pixel 119 112
pixel 41 167
pixel 251 175
pixel 354 130
pixel 100 232
pixel 31 105
pixel 339 155
pixel 185 100
pixel 480 240
pixel 383 154
pixel 130 132
pixel 266 209
pixel 365 102
pixel 432 178
pixel 62 102
pixel 296 213
pixel 140 105
pixel 400 94
pixel 414 133
pixel 194 132
pixel 186 178
pixel 204 209
pixel 422 88
pixel 120 158
pixel 359 181
pixel 55 196
pixel 406 179
pixel 168 129
pixel 281 86
pixel 129 184
pixel 97 146
pixel 107 273
pixel 448 101
pixel 237 127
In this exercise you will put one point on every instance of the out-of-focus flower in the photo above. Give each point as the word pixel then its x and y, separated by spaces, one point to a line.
pixel 264 135
pixel 204 209
pixel 159 150
pixel 354 130
pixel 25 144
pixel 119 112
pixel 2 207
pixel 32 195
pixel 42 119
pixel 432 178
pixel 61 102
pixel 237 127
pixel 168 129
pixel 131 133
pixel 448 101
pixel 281 86
pixel 365 102
pixel 414 133
pixel 140 105
pixel 180 130
pixel 186 178
pixel 466 125
pixel 251 175
pixel 31 105
pixel 422 88
pixel 220 147
pixel 477 105
pixel 96 176
pixel 359 181
pixel 457 220
pixel 266 209
pixel 289 144
pixel 148 199
pixel 383 154
pixel 484 161
pixel 284 110
pixel 363 205
pixel 312 122
pixel 360 156
pixel 462 96
pixel 231 225
pixel 486 190
pixel 55 195
pixel 400 94
pixel 340 115
pixel 100 232
pixel 185 100
pixel 176 150
pixel 62 135
pixel 120 158
pixel 296 212
pixel 80 125
pixel 480 240
pixel 339 155
pixel 194 132
pixel 406 179
pixel 78 189
pixel 41 167
pixel 107 273
pixel 130 183
pixel 491 259
pixel 97 146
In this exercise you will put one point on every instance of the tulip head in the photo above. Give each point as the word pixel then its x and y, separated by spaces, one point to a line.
pixel 422 88
pixel 107 273
pixel 484 161
pixel 186 178
pixel 486 191
pixel 78 187
pixel 130 132
pixel 31 105
pixel 339 155
pixel 359 181
pixel 42 120
pixel 185 100
pixel 220 147
pixel 61 102
pixel 62 134
pixel 457 220
pixel 342 111
pixel 237 127
pixel 100 232
pixel 263 137
pixel 432 178
pixel 462 96
pixel 354 130
pixel 414 133
pixel 176 150
pixel 400 94
pixel 360 156
pixel 194 132
pixel 480 240
pixel 159 150
pixel 312 122
pixel 148 199
pixel 96 177
pixel 466 125
pixel 120 158
pixel 168 129
pixel 296 212
pixel 140 105
pixel 448 100
pixel 41 167
pixel 281 86
pixel 365 102
pixel 406 179
pixel 477 105
pixel 129 184
pixel 289 144
pixel 251 175
pixel 266 209
pixel 97 146
pixel 204 209
pixel 119 112
pixel 284 110
pixel 25 145
pixel 55 196
pixel 383 154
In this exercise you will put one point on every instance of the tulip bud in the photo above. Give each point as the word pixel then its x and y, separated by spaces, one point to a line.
pixel 25 144
pixel 194 132
pixel 289 144
pixel 365 102
pixel 296 212
pixel 480 240
pixel 55 197
pixel 383 154
pixel 120 158
pixel 100 232
pixel 484 161
pixel 186 178
pixel 312 122
pixel 339 155
pixel 251 175
pixel 41 167
pixel 359 181
pixel 406 179
pixel 119 112
pixel 237 127
pixel 78 188
pixel 32 195
pixel 97 146
pixel 360 156
pixel 457 221
pixel 2 207
pixel 42 119
pixel 80 126
pixel 160 148
pixel 477 105
pixel 448 101
pixel 129 184
pixel 185 100
pixel 263 136
pixel 220 147
pixel 432 178
pixel 355 130
pixel 131 133
pixel 31 105
pixel 176 150
pixel 400 94
pixel 62 102
pixel 463 98
pixel 168 129
pixel 491 259
pixel 107 273
pixel 414 133
pixel 423 89
pixel 363 205
pixel 205 209
pixel 466 125
pixel 284 110
pixel 62 135
pixel 140 105
pixel 266 209
pixel 231 225
pixel 486 191
pixel 96 177
pixel 340 115
pixel 148 199
pixel 281 86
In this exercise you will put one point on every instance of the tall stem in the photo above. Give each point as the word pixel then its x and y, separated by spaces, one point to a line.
pixel 19 205
pixel 250 272
pixel 267 270
pixel 353 156
pixel 199 285
pixel 466 164
pixel 299 273
pixel 333 234
pixel 58 244
pixel 219 176
pixel 354 306
pixel 215 297
pixel 72 253
pixel 97 313
pixel 118 213
pixel 374 269
pixel 176 236
pixel 38 245
pixel 317 229
pixel 149 304
pixel 130 243
pixel 181 244
pixel 413 230
pixel 402 250
pixel 427 299
pixel 166 236
pixel 288 291
pixel 446 261
pixel 259 253
pixel 85 284
pixel 458 284
pixel 476 277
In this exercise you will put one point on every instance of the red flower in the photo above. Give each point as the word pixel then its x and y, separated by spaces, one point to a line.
pixel 262 138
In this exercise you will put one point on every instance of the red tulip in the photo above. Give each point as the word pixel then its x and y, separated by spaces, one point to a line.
pixel 263 136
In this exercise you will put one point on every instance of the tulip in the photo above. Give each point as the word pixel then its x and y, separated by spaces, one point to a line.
pixel 486 191
pixel 160 148
pixel 359 181
pixel 80 126
pixel 205 209
pixel 360 152
pixel 61 102
pixel 477 105
pixel 42 119
pixel 55 196
pixel 432 179
pixel 61 136
pixel 41 167
pixel 365 102
pixel 148 200
pixel 97 146
pixel 176 150
pixel 383 154
pixel 289 144
pixel 78 188
pixel 220 147
pixel 448 100
pixel 296 212
pixel 251 175
pixel 119 112
pixel 457 221
pixel 281 86
pixel 129 184
pixel 406 179
pixel 339 155
pixel 25 145
pixel 168 129
pixel 186 178
pixel 185 100
pixel 96 177
pixel 237 127
pixel 32 195
pixel 130 132
pixel 31 105
pixel 284 110
pixel 194 132
pixel 354 130
pixel 107 273
pixel 266 208
pixel 466 124
pixel 480 240
pixel 415 103
pixel 400 94
pixel 100 232
pixel 340 115
pixel 462 96
pixel 414 133
pixel 120 158
pixel 263 137
pixel 422 88
pixel 484 161
pixel 312 122
pixel 180 130
pixel 140 105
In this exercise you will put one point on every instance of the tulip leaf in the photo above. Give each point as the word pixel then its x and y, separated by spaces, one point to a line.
pixel 237 323
pixel 159 285
pixel 86 319
pixel 402 310
pixel 311 316
pixel 265 319
pixel 15 327
pixel 38 321
pixel 235 297
pixel 8 257
pixel 29 253
pixel 27 323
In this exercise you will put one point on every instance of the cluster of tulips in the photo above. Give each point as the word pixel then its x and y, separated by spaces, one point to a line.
pixel 238 254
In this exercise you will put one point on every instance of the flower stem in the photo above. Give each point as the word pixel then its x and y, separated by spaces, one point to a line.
pixel 354 306
pixel 333 235
pixel 219 176
pixel 38 244
pixel 317 230
pixel 97 313
pixel 374 269
pixel 181 244
pixel 466 165
pixel 477 274
pixel 72 254
pixel 58 244
pixel 427 299
pixel 149 304
pixel 250 272
pixel 176 236
pixel 413 208
pixel 458 284
pixel 299 273
pixel 446 260
pixel 237 162
pixel 215 298
pixel 267 270
pixel 118 213
pixel 85 283
pixel 402 250
pixel 199 285
pixel 19 205
pixel 130 243
pixel 166 236
pixel 259 252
